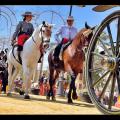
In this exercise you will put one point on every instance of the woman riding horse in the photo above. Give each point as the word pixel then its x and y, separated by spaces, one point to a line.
pixel 30 55
pixel 73 58
pixel 23 31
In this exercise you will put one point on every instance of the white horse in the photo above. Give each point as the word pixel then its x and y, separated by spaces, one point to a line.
pixel 29 56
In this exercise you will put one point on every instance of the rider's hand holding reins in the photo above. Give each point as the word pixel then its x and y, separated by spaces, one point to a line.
pixel 13 42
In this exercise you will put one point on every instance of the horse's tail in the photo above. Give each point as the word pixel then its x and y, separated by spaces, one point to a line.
pixel 50 60
pixel 14 54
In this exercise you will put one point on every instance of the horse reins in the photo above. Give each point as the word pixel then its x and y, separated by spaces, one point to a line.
pixel 41 35
pixel 47 41
pixel 82 45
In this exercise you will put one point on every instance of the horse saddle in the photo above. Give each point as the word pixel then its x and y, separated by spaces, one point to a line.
pixel 64 47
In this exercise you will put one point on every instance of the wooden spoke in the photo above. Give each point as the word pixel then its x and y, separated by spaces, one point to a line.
pixel 101 78
pixel 118 37
pixel 118 80
pixel 105 86
pixel 111 39
pixel 95 70
pixel 105 48
pixel 112 92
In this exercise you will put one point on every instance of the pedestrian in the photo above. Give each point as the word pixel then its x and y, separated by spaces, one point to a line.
pixel 41 84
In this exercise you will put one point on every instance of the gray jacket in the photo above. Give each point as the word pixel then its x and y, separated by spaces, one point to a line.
pixel 23 27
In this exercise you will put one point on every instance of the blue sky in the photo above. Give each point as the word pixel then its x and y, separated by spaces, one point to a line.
pixel 81 15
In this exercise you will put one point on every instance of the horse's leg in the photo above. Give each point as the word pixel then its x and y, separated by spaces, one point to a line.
pixel 74 94
pixel 52 80
pixel 50 83
pixel 56 74
pixel 73 77
pixel 12 73
pixel 72 87
pixel 27 73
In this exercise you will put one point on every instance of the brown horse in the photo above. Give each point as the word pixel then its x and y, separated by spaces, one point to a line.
pixel 72 61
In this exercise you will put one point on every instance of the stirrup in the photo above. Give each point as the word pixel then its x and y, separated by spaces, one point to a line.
pixel 39 61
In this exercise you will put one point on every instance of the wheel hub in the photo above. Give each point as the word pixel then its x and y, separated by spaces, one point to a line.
pixel 109 63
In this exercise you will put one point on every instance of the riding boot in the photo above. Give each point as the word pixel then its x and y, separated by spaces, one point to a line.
pixel 19 57
pixel 56 53
pixel 39 61
pixel 20 48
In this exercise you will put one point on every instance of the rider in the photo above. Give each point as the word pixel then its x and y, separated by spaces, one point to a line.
pixel 67 33
pixel 23 31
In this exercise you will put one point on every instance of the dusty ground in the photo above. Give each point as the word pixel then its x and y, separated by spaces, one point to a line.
pixel 39 105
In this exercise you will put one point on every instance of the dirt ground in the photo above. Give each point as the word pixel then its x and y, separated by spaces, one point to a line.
pixel 39 105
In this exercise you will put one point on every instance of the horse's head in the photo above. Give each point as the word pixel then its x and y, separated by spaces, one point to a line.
pixel 87 34
pixel 45 31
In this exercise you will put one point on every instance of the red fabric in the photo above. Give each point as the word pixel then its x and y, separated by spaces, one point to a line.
pixel 117 104
pixel 65 40
pixel 42 89
pixel 0 81
pixel 54 89
pixel 22 38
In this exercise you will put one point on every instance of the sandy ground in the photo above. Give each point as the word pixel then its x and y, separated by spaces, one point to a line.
pixel 39 105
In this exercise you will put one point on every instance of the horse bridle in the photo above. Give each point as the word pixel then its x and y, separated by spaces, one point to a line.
pixel 47 41
pixel 84 47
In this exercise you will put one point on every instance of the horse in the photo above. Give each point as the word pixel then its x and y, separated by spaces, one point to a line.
pixel 72 61
pixel 32 50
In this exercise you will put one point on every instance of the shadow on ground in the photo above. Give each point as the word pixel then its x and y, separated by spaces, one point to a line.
pixel 38 98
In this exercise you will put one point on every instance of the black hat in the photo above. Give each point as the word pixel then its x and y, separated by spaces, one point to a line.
pixel 28 13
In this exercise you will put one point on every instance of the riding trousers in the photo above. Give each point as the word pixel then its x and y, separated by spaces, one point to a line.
pixel 21 39
pixel 58 48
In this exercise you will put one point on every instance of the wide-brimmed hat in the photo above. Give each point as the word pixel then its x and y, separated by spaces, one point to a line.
pixel 70 18
pixel 28 13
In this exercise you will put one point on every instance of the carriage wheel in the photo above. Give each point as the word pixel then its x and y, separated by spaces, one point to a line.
pixel 103 67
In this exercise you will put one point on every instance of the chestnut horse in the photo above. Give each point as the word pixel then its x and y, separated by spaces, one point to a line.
pixel 72 61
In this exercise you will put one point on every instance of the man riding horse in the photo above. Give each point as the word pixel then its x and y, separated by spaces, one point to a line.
pixel 67 33
pixel 72 60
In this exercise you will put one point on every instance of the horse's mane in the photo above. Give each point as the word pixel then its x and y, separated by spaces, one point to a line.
pixel 37 29
pixel 78 36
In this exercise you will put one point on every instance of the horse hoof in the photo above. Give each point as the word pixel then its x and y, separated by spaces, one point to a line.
pixel 53 99
pixel 3 92
pixel 48 97
pixel 74 96
pixel 21 92
pixel 70 101
pixel 9 94
pixel 27 97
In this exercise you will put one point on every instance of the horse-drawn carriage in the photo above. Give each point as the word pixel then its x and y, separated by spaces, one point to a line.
pixel 103 70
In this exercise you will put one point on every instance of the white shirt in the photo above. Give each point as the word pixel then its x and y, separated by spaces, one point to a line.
pixel 68 32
